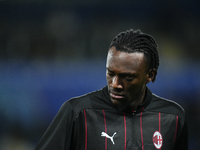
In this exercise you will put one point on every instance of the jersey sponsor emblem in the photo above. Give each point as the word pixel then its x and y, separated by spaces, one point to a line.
pixel 157 139
pixel 110 137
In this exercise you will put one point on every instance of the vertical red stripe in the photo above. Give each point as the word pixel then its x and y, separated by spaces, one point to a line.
pixel 141 131
pixel 159 121
pixel 176 128
pixel 105 129
pixel 159 124
pixel 124 132
pixel 85 130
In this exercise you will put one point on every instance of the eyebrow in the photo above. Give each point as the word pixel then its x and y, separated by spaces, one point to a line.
pixel 124 74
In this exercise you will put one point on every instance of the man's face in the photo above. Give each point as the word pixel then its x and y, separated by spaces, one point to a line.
pixel 126 77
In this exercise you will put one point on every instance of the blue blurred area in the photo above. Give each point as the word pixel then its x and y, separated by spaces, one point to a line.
pixel 32 93
pixel 53 51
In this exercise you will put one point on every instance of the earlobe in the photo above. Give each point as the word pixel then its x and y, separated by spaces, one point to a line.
pixel 150 76
pixel 148 79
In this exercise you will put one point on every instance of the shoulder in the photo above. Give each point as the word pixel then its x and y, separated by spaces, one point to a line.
pixel 166 106
pixel 92 100
pixel 85 100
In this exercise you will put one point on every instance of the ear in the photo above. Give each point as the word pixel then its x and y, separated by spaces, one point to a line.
pixel 150 76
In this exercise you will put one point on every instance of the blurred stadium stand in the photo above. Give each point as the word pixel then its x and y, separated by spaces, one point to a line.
pixel 52 51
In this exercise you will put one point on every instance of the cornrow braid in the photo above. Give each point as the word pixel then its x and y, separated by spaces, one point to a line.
pixel 136 41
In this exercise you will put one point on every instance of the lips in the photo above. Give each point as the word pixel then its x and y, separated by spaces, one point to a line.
pixel 116 96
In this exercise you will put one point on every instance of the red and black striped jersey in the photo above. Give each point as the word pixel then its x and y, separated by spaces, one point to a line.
pixel 92 122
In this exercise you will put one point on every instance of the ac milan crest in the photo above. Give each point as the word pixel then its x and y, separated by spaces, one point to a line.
pixel 157 139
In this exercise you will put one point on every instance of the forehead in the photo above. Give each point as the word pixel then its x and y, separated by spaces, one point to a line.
pixel 125 62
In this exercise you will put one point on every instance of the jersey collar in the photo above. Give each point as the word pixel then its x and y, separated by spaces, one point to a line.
pixel 141 107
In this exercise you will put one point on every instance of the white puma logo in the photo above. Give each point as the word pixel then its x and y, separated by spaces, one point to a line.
pixel 110 137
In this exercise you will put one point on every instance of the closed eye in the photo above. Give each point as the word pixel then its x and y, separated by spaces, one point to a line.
pixel 110 73
pixel 129 78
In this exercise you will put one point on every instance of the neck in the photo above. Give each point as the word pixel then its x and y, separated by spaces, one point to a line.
pixel 139 100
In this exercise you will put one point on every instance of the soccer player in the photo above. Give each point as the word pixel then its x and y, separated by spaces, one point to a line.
pixel 125 114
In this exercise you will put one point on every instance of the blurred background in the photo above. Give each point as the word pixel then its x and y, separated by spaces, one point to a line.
pixel 51 51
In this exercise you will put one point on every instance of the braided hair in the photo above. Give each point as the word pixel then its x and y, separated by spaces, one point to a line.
pixel 136 41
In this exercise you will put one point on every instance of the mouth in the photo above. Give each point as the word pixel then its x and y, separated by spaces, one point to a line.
pixel 116 96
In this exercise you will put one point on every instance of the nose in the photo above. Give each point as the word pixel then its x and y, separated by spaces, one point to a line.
pixel 116 83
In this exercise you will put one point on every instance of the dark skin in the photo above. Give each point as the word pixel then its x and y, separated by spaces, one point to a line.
pixel 127 77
